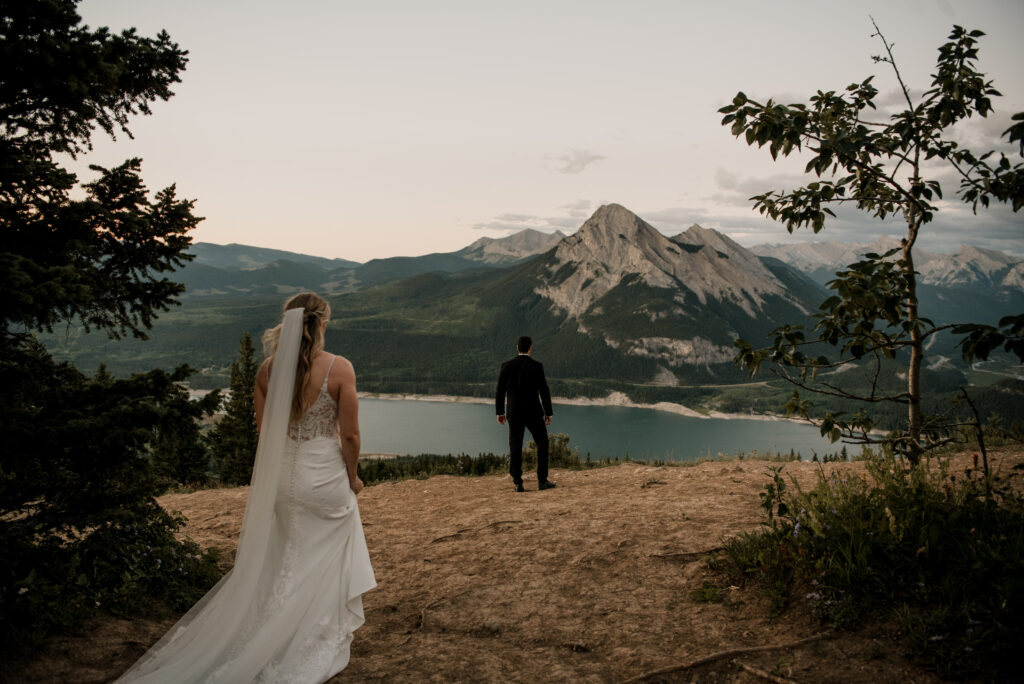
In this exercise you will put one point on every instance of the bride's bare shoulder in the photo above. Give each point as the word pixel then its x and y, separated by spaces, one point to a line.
pixel 342 376
pixel 341 367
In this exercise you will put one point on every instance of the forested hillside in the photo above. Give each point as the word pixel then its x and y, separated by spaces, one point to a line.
pixel 617 306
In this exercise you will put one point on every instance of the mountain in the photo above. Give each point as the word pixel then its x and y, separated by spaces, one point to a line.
pixel 680 302
pixel 616 306
pixel 244 257
pixel 971 285
pixel 970 267
pixel 616 302
pixel 241 269
pixel 511 249
pixel 484 253
pixel 967 267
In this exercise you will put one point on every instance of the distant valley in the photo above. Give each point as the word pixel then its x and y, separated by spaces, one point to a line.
pixel 615 306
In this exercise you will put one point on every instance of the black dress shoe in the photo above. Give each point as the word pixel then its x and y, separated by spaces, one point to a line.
pixel 546 484
pixel 519 487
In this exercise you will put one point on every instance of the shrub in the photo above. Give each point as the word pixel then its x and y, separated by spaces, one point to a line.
pixel 372 471
pixel 79 526
pixel 120 567
pixel 941 551
pixel 559 453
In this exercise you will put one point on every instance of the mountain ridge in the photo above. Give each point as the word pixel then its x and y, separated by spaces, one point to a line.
pixel 617 305
pixel 969 266
pixel 680 302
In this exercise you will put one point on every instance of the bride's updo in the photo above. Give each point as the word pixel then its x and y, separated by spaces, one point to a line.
pixel 316 313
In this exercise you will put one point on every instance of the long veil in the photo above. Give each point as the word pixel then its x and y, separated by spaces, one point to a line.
pixel 202 639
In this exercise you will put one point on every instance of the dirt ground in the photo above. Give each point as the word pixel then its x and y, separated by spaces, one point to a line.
pixel 588 582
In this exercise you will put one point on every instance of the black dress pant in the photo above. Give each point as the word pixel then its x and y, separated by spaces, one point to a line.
pixel 539 432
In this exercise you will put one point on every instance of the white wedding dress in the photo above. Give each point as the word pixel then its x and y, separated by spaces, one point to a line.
pixel 288 614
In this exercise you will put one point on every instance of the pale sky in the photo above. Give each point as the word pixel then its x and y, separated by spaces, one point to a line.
pixel 375 128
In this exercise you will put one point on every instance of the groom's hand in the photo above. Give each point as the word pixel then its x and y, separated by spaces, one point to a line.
pixel 501 420
pixel 547 420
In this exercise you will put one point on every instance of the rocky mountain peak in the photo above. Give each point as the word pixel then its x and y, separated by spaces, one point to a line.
pixel 612 224
pixel 615 244
pixel 723 245
pixel 512 248
pixel 989 259
pixel 969 266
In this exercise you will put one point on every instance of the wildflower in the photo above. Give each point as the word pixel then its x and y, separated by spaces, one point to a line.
pixel 813 596
pixel 23 590
pixel 158 562
pixel 796 528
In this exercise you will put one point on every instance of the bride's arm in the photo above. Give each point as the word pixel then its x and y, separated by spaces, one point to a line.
pixel 260 392
pixel 348 420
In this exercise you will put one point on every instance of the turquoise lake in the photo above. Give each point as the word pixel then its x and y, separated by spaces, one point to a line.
pixel 427 427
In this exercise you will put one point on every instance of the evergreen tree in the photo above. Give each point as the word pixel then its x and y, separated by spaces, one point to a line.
pixel 97 259
pixel 233 441
pixel 79 525
pixel 179 454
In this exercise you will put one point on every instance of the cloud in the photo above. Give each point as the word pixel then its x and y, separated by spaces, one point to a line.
pixel 514 223
pixel 576 161
pixel 983 134
pixel 580 209
pixel 727 180
pixel 954 225
pixel 567 219
pixel 675 220
pixel 893 101
pixel 738 190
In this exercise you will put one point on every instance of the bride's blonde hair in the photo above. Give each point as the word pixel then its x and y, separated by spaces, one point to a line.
pixel 316 313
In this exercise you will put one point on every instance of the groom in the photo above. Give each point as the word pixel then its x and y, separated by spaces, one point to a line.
pixel 529 408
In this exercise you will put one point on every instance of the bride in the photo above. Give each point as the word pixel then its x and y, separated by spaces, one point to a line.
pixel 287 609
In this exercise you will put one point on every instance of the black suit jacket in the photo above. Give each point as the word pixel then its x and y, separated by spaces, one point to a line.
pixel 522 380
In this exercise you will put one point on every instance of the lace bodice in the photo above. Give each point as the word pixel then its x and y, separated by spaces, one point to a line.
pixel 321 419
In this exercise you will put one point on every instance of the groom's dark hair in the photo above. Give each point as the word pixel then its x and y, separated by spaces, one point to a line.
pixel 523 344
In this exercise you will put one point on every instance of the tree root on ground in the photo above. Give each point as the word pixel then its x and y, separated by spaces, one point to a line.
pixel 458 533
pixel 724 654
pixel 686 557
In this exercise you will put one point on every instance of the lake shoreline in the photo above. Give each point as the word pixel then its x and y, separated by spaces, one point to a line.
pixel 613 399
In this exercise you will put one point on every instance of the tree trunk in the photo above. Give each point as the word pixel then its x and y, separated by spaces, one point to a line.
pixel 915 420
